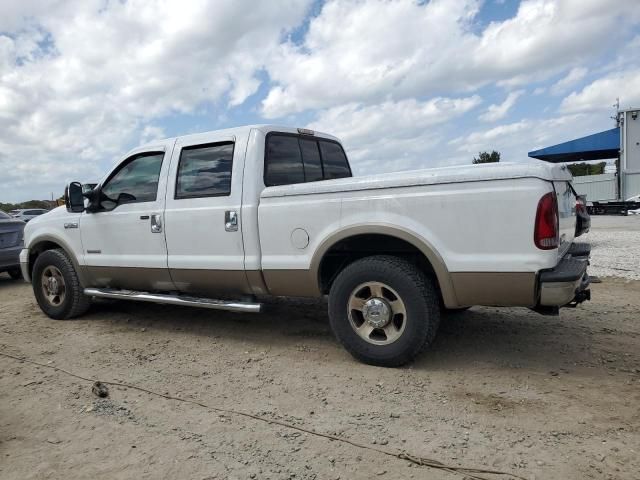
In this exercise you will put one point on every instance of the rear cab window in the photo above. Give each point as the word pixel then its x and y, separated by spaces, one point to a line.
pixel 291 158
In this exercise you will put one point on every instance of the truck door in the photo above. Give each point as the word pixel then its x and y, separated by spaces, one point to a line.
pixel 202 215
pixel 123 242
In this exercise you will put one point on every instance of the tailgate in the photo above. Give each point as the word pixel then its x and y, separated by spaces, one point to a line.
pixel 566 214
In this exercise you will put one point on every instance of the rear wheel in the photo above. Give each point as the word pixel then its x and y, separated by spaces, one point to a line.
pixel 56 286
pixel 383 310
pixel 15 273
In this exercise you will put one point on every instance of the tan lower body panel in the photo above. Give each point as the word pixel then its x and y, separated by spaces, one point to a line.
pixel 471 288
pixel 500 289
pixel 132 278
pixel 211 283
pixel 291 283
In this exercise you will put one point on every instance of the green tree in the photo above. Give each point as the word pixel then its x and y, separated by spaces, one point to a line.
pixel 581 169
pixel 486 157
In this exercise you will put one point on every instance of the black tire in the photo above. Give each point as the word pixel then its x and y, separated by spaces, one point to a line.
pixel 15 273
pixel 74 302
pixel 454 311
pixel 416 291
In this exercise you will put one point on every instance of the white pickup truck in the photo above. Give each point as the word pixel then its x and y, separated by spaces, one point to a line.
pixel 221 219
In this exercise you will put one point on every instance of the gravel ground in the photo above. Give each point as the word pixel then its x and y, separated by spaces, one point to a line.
pixel 615 243
pixel 541 397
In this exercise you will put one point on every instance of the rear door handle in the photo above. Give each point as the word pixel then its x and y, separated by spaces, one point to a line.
pixel 156 223
pixel 231 221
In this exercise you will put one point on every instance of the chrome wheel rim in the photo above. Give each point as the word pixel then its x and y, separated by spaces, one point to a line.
pixel 377 313
pixel 53 286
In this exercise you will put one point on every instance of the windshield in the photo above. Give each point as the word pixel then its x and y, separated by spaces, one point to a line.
pixel 4 215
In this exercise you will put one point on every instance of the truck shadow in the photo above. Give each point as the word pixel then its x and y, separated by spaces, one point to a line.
pixel 508 338
pixel 6 281
pixel 511 338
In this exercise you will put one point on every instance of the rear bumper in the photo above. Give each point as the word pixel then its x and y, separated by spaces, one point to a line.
pixel 567 282
pixel 24 264
pixel 9 258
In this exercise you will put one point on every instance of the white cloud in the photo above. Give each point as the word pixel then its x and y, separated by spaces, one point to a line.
pixel 491 139
pixel 574 76
pixel 498 111
pixel 80 80
pixel 391 135
pixel 366 50
pixel 602 93
pixel 514 140
pixel 151 133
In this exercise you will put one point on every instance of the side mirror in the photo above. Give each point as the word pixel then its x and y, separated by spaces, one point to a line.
pixel 73 198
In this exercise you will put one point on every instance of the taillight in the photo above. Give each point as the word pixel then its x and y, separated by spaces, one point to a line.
pixel 546 234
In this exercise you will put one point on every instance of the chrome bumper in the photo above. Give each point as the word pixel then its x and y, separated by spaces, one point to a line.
pixel 559 294
pixel 24 264
pixel 567 282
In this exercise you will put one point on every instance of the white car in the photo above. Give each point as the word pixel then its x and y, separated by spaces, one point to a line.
pixel 220 219
pixel 28 214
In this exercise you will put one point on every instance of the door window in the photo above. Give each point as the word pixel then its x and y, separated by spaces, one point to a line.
pixel 205 171
pixel 136 181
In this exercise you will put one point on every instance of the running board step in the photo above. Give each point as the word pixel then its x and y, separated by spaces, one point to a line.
pixel 186 301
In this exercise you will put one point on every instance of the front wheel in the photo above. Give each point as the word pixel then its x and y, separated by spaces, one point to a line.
pixel 384 310
pixel 56 286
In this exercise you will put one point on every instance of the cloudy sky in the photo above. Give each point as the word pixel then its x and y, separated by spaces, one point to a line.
pixel 406 84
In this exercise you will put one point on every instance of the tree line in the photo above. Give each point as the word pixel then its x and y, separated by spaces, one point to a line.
pixel 47 204
pixel 576 169
pixel 581 169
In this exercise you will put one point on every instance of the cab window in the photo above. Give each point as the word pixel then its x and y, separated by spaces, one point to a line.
pixel 136 181
pixel 284 161
pixel 293 159
pixel 334 161
pixel 205 171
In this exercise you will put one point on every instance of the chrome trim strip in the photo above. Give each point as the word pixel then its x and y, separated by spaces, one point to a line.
pixel 230 306
pixel 70 225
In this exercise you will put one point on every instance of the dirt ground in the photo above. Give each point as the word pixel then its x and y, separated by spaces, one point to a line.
pixel 508 389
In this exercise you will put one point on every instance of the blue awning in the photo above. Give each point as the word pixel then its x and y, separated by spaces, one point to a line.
pixel 592 147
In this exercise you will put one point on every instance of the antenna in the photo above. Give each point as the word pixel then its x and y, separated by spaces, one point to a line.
pixel 617 107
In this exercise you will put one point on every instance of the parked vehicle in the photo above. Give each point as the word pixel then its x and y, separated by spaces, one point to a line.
pixel 11 243
pixel 220 219
pixel 28 213
pixel 583 219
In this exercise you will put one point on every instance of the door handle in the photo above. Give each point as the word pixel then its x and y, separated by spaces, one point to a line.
pixel 231 221
pixel 156 223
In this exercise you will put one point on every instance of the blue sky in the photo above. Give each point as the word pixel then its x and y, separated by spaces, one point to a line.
pixel 406 84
